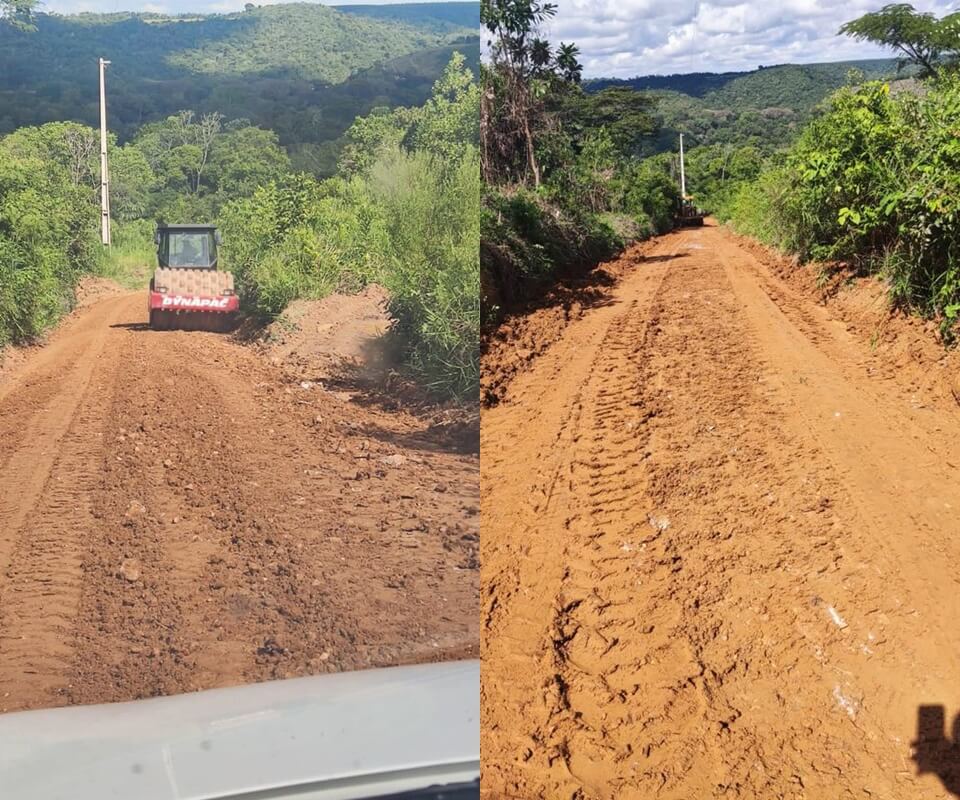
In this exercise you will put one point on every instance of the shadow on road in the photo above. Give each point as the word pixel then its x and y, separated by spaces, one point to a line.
pixel 933 751
pixel 455 433
pixel 132 326
pixel 658 259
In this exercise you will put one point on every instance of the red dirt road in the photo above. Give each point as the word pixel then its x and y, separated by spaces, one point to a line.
pixel 720 547
pixel 177 513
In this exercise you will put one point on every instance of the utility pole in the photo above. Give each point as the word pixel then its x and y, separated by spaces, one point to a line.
pixel 104 172
pixel 683 178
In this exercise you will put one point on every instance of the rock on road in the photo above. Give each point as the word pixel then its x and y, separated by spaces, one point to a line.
pixel 721 558
pixel 176 513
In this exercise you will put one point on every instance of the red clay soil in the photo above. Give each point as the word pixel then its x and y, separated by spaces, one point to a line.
pixel 720 543
pixel 523 336
pixel 177 513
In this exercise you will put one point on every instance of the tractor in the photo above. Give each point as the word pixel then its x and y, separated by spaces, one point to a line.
pixel 688 213
pixel 188 292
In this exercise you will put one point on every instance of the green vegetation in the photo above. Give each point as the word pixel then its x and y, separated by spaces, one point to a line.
pixel 565 184
pixel 404 212
pixel 717 171
pixel 299 40
pixel 403 208
pixel 928 43
pixel 766 108
pixel 17 13
pixel 304 71
pixel 438 18
pixel 179 170
pixel 874 182
pixel 47 233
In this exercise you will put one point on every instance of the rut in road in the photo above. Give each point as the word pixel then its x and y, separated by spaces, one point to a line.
pixel 177 513
pixel 718 558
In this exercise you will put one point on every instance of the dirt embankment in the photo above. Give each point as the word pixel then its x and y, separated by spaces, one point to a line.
pixel 178 511
pixel 720 539
pixel 529 331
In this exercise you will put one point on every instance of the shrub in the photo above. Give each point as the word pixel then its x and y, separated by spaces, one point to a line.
pixel 47 237
pixel 875 181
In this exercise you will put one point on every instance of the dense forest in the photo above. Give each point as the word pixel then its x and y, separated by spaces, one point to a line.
pixel 766 108
pixel 304 71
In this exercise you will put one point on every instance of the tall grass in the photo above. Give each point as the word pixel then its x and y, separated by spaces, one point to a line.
pixel 132 256
pixel 411 223
pixel 430 215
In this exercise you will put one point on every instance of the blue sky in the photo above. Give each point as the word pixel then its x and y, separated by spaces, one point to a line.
pixel 172 6
pixel 624 38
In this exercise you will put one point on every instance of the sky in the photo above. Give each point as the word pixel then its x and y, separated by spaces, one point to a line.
pixel 625 38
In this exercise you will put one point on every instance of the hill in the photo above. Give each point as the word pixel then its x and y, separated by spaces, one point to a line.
pixel 781 84
pixel 766 106
pixel 435 17
pixel 303 70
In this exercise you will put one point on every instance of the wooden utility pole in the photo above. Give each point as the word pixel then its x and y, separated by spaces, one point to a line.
pixel 104 171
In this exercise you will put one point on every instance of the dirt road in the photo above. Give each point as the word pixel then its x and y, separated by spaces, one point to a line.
pixel 720 547
pixel 177 513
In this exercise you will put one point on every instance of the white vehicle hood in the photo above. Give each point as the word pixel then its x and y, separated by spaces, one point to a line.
pixel 338 737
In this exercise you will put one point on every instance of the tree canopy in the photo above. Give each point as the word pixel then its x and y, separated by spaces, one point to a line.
pixel 17 13
pixel 919 37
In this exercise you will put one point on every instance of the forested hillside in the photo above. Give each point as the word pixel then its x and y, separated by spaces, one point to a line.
pixel 794 85
pixel 448 17
pixel 304 71
pixel 766 107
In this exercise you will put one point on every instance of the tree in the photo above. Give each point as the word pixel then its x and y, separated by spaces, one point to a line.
pixel 242 160
pixel 624 112
pixel 523 71
pixel 920 38
pixel 449 120
pixel 381 129
pixel 18 13
pixel 567 63
pixel 178 148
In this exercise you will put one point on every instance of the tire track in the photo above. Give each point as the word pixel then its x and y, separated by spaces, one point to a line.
pixel 522 598
pixel 48 484
pixel 732 617
pixel 184 515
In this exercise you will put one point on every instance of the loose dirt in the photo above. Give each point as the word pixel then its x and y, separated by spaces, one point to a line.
pixel 177 513
pixel 720 543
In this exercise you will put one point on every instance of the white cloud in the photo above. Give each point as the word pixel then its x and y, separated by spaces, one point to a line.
pixel 624 38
